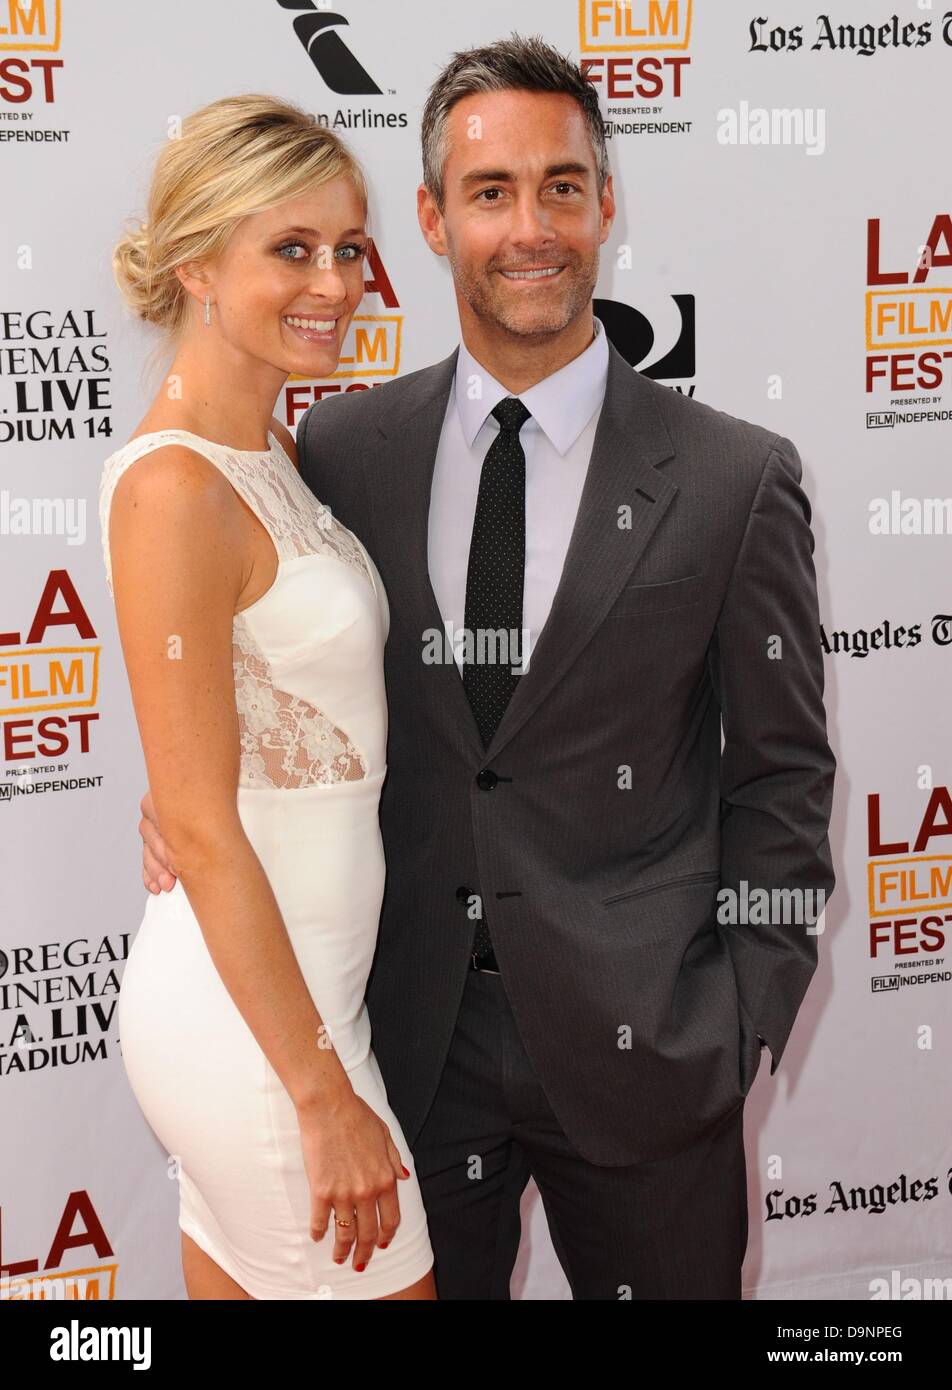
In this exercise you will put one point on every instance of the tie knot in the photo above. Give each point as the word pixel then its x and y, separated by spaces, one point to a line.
pixel 511 413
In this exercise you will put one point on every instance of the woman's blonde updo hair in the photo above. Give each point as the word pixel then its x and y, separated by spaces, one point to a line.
pixel 234 157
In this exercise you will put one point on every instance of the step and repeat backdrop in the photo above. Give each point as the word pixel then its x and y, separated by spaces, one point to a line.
pixel 783 251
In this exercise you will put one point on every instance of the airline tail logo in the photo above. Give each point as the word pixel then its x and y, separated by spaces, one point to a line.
pixel 337 66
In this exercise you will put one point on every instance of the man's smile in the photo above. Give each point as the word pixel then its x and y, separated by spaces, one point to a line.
pixel 530 273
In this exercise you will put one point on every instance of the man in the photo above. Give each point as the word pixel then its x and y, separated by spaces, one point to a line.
pixel 553 994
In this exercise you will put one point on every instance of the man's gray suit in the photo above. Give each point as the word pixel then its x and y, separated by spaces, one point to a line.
pixel 603 818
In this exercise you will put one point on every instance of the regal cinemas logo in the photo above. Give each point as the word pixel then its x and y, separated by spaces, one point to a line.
pixel 55 366
pixel 636 51
pixel 908 324
pixel 910 893
pixel 371 349
pixel 30 29
pixel 78 1263
pixel 58 1003
pixel 49 687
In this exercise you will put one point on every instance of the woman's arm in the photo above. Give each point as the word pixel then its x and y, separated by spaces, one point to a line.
pixel 156 869
pixel 179 559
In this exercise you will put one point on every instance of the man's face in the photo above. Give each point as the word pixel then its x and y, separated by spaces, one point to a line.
pixel 522 221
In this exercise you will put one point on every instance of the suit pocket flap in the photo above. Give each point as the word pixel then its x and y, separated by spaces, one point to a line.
pixel 656 598
pixel 640 889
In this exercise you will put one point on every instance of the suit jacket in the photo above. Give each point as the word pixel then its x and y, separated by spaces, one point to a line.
pixel 602 820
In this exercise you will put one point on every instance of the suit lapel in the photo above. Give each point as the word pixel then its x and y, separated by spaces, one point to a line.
pixel 631 438
pixel 400 497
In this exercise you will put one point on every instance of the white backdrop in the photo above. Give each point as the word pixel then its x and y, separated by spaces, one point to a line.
pixel 774 278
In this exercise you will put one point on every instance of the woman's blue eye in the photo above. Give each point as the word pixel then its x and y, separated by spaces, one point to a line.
pixel 355 250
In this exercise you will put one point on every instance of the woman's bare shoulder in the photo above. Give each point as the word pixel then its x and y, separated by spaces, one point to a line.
pixel 171 480
pixel 174 517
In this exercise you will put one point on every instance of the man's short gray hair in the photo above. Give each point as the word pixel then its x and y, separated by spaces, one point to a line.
pixel 513 64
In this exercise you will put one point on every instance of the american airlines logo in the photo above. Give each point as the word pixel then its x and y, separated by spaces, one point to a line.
pixel 337 66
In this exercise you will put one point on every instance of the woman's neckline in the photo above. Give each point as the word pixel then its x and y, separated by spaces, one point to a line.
pixel 243 453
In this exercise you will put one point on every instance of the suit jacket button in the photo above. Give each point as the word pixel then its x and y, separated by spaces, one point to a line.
pixel 463 895
pixel 486 779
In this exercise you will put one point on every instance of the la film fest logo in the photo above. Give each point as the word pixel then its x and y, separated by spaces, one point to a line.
pixel 75 1262
pixel 910 890
pixel 636 53
pixel 908 326
pixel 49 690
pixel 30 30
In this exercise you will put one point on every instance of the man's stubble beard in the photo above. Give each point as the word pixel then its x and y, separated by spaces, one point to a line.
pixel 489 308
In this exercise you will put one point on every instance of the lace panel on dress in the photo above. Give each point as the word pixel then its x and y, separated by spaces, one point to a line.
pixel 296 521
pixel 285 741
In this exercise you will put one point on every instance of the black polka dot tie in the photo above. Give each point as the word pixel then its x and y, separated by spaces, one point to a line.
pixel 496 572
pixel 494 582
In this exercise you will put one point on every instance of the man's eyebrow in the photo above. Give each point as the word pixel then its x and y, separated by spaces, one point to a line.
pixel 507 176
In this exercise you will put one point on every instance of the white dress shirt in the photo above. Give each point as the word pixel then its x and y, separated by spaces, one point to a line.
pixel 557 442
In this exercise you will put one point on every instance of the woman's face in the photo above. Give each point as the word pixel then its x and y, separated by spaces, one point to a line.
pixel 291 278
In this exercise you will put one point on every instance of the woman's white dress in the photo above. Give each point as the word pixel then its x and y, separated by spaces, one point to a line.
pixel 312 727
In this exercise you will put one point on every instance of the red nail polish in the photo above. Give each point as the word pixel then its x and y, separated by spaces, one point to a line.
pixel 406 1171
pixel 360 1267
pixel 385 1244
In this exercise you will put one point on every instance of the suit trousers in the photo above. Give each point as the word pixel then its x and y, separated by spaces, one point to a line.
pixel 673 1228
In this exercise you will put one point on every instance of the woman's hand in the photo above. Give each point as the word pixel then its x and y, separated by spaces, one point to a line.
pixel 156 870
pixel 352 1166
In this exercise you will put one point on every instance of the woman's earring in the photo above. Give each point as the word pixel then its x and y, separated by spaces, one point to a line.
pixel 208 312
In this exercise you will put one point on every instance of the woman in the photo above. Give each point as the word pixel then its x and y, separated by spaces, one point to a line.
pixel 252 626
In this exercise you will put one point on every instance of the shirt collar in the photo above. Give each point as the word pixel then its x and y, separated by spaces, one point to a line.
pixel 561 404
